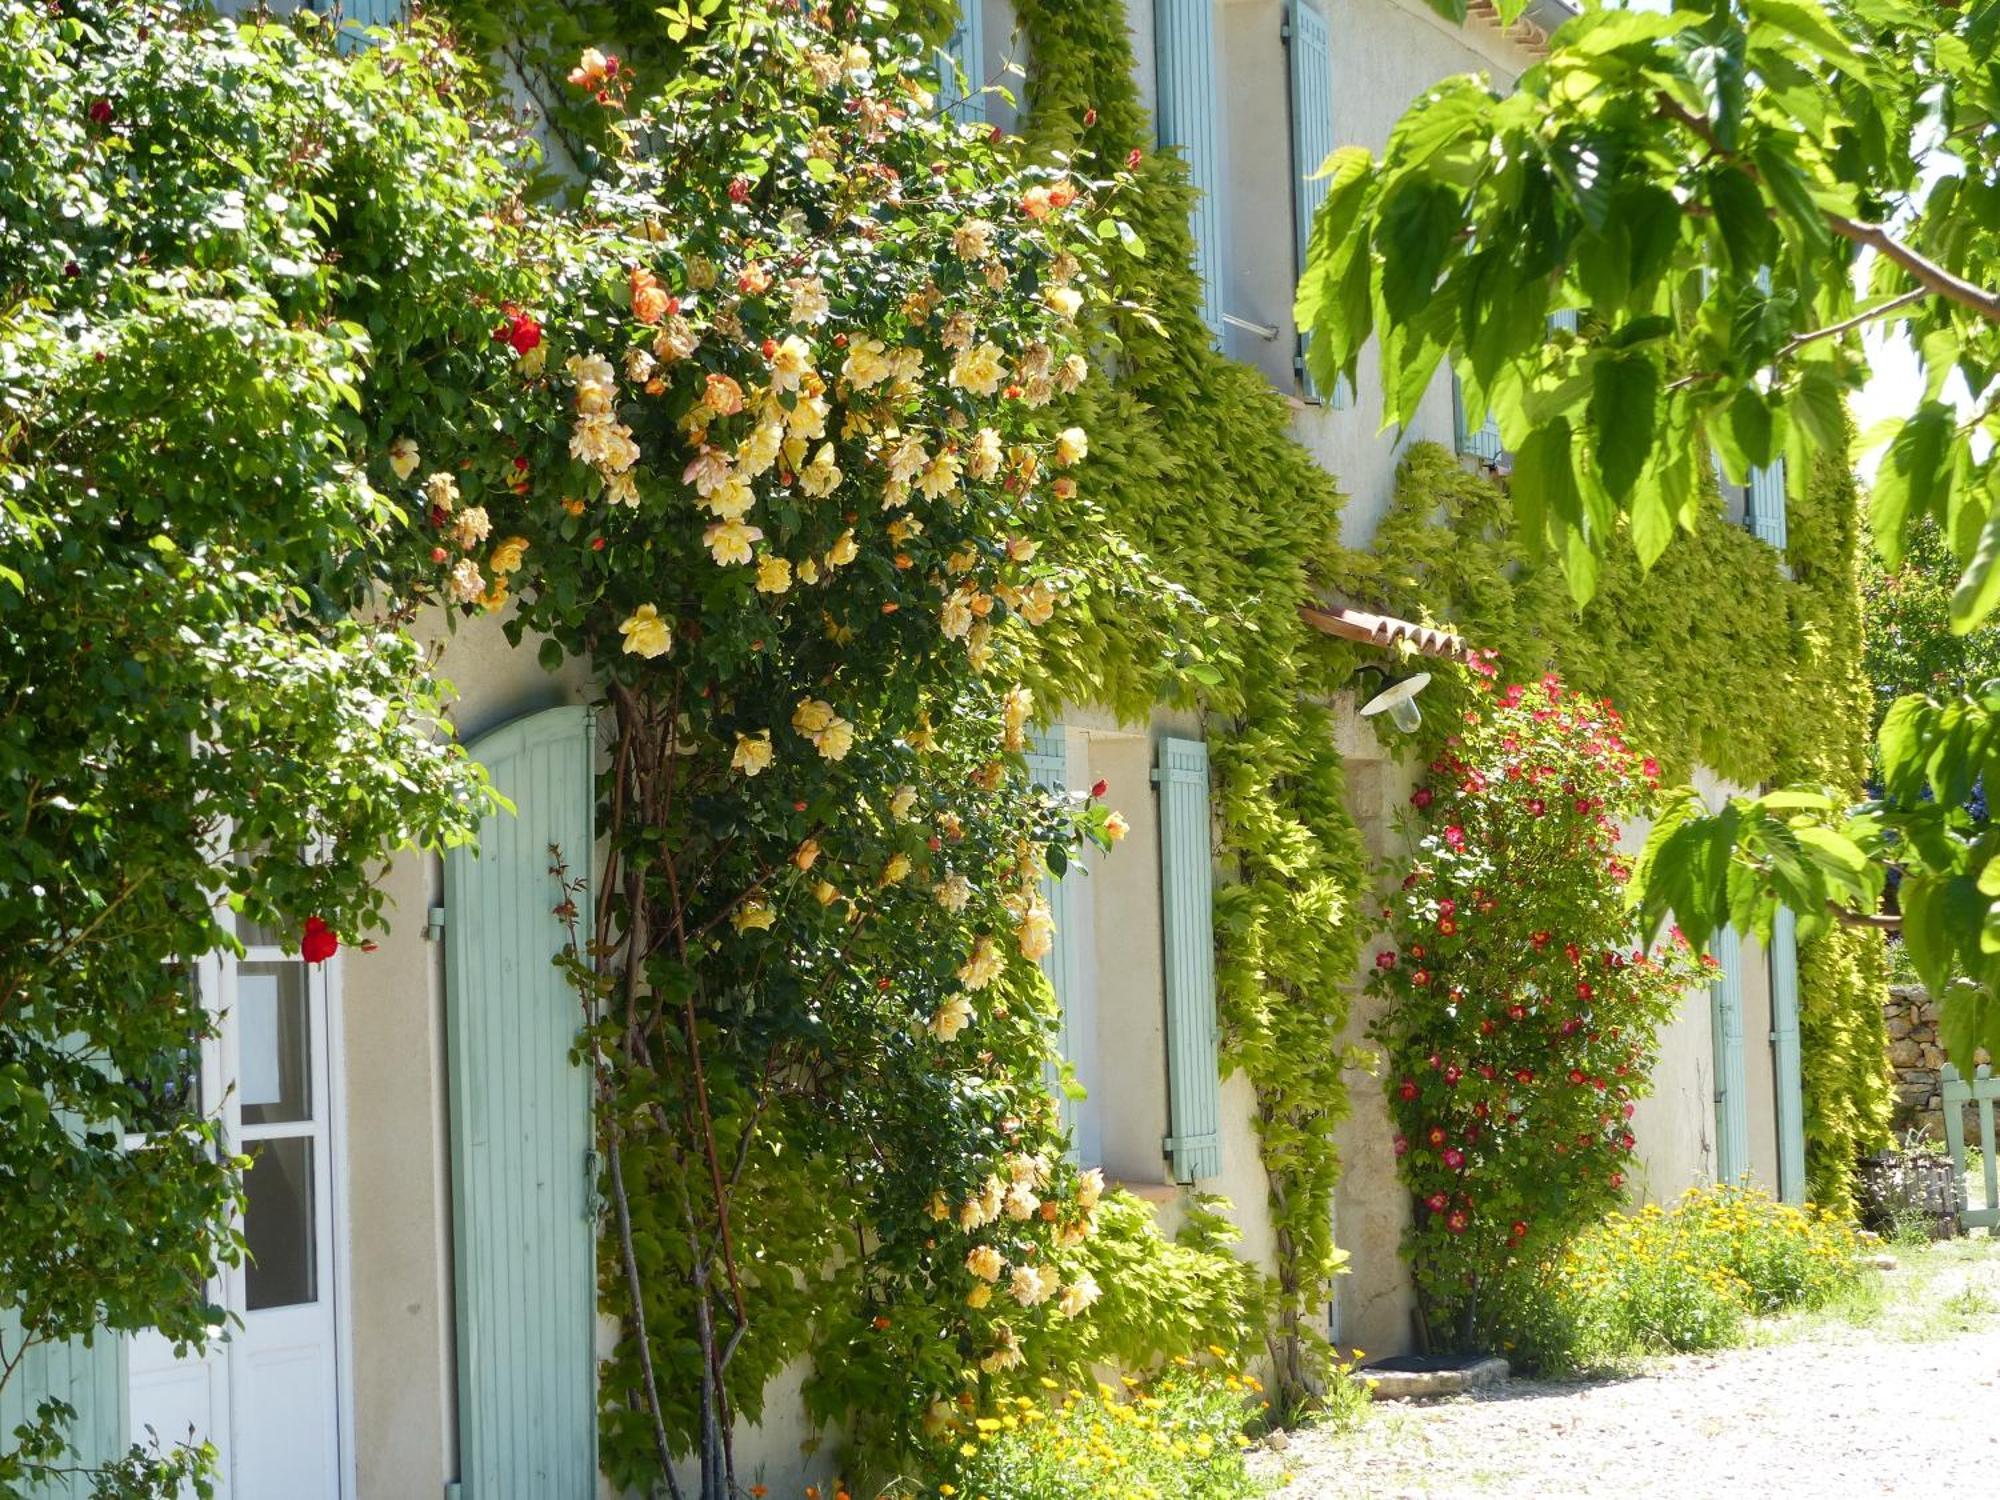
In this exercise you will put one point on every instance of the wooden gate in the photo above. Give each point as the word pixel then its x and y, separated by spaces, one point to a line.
pixel 1983 1090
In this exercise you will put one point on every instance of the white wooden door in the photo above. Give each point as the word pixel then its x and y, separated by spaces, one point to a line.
pixel 267 1393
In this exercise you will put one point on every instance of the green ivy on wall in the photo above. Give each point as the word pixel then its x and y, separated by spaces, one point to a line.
pixel 1192 459
pixel 1717 659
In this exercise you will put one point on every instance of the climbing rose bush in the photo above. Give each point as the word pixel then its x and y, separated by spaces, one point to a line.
pixel 1522 1006
pixel 780 451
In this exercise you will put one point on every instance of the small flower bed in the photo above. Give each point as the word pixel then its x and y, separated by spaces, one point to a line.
pixel 1684 1278
pixel 1177 1437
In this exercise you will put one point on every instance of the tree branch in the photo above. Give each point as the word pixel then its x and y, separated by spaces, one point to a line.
pixel 1879 922
pixel 1933 277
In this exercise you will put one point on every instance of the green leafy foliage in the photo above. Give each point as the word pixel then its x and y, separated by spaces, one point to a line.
pixel 1911 647
pixel 1700 186
pixel 207 238
pixel 1828 860
pixel 1522 1005
pixel 1178 1437
pixel 1688 1277
pixel 1198 478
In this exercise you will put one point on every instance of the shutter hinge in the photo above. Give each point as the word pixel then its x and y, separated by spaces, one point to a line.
pixel 434 928
pixel 592 1203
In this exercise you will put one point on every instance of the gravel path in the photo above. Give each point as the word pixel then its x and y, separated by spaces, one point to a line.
pixel 1907 1402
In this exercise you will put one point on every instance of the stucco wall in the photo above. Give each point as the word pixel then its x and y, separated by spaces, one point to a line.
pixel 1373 1301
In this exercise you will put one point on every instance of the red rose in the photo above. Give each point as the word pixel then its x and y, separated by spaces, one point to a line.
pixel 1089 118
pixel 1385 960
pixel 318 944
pixel 1402 1145
pixel 1454 1158
pixel 1437 1137
pixel 1421 797
pixel 1099 788
pixel 101 111
pixel 1456 1221
pixel 1407 1089
pixel 1132 160
pixel 739 189
pixel 1437 1203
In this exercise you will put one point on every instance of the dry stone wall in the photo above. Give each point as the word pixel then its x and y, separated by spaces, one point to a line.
pixel 1917 1058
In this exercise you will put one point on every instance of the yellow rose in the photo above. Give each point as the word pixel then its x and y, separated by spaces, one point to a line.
pixel 843 551
pixel 403 457
pixel 951 1018
pixel 441 490
pixel 985 1262
pixel 898 867
pixel 1072 446
pixel 1064 300
pixel 1079 1295
pixel 646 634
pixel 789 363
pixel 752 916
pixel 812 716
pixel 1115 827
pixel 1038 931
pixel 729 542
pixel 978 370
pixel 753 752
pixel 836 740
pixel 774 575
pixel 507 556
pixel 983 966
pixel 805 854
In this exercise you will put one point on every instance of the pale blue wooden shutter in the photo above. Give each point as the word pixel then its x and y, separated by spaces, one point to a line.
pixel 1484 444
pixel 1189 116
pixel 964 56
pixel 522 1168
pixel 1311 66
pixel 1732 1113
pixel 1764 505
pixel 90 1378
pixel 1790 1079
pixel 1048 766
pixel 1187 885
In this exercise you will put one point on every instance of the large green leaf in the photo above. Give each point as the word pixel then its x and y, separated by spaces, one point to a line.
pixel 1978 590
pixel 1624 400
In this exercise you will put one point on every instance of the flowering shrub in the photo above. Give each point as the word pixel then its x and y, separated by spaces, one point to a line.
pixel 781 448
pixel 1176 1437
pixel 1667 1280
pixel 1522 1007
